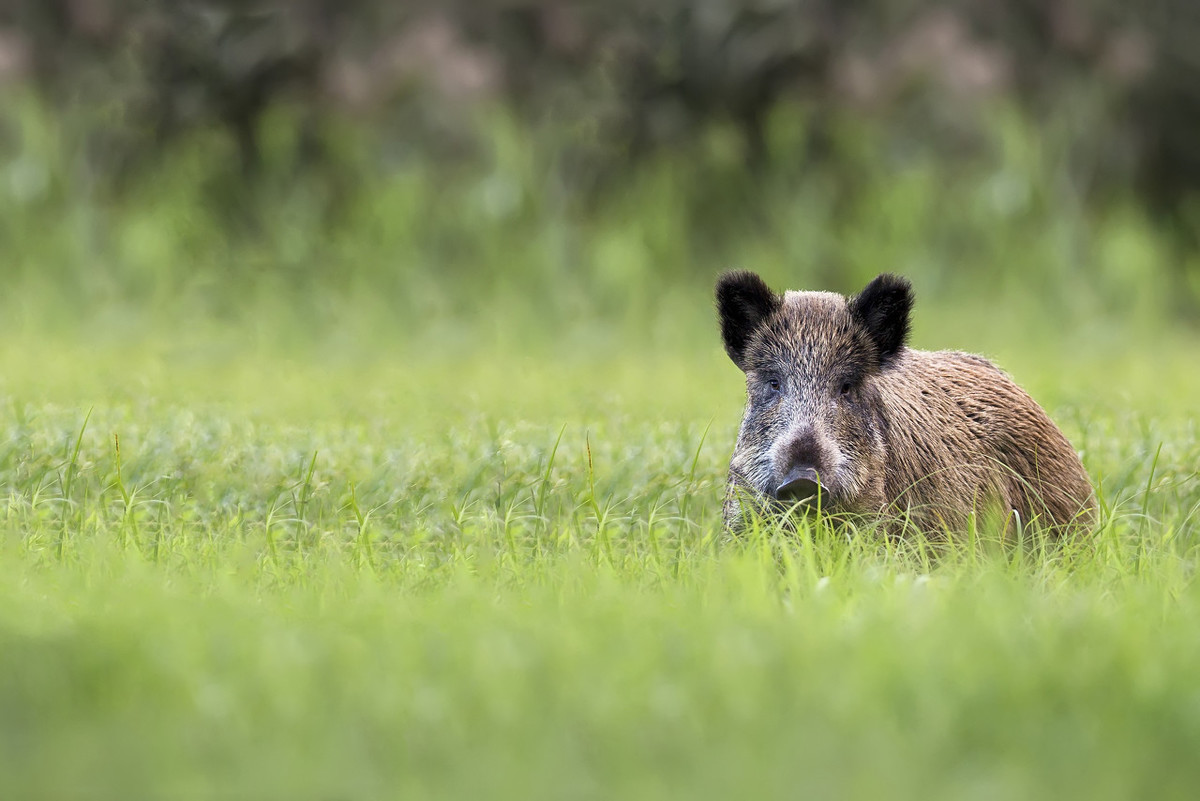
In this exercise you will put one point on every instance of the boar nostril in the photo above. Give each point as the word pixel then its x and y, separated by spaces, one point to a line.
pixel 800 484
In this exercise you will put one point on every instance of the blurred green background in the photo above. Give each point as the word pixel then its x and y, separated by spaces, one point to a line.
pixel 562 173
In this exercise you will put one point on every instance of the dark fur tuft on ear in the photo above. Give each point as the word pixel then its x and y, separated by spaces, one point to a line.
pixel 744 302
pixel 883 309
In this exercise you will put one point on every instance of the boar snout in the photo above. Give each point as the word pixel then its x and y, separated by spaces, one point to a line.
pixel 800 484
pixel 802 460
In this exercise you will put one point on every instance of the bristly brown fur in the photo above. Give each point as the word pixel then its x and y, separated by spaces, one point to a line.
pixel 930 436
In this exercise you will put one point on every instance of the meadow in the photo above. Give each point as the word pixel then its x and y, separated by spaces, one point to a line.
pixel 398 532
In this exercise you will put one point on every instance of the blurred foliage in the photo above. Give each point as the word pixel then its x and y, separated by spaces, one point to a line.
pixel 437 154
pixel 622 77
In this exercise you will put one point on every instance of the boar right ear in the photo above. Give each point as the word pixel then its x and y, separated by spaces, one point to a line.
pixel 883 308
pixel 744 302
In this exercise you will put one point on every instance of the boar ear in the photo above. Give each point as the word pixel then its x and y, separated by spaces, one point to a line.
pixel 882 308
pixel 744 302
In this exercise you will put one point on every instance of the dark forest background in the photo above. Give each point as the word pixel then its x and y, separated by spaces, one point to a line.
pixel 419 148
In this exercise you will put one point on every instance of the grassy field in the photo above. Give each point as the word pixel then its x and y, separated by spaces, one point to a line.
pixel 406 483
pixel 236 570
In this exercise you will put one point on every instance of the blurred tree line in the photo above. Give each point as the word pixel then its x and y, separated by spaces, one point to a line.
pixel 614 84
pixel 626 77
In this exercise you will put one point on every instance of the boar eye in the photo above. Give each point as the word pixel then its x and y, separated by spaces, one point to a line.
pixel 846 388
pixel 771 386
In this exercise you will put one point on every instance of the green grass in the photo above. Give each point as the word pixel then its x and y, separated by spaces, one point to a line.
pixel 406 482
pixel 504 576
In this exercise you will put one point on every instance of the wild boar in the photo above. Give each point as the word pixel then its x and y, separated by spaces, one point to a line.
pixel 843 416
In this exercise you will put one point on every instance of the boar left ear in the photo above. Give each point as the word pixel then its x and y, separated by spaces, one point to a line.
pixel 744 302
pixel 883 308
